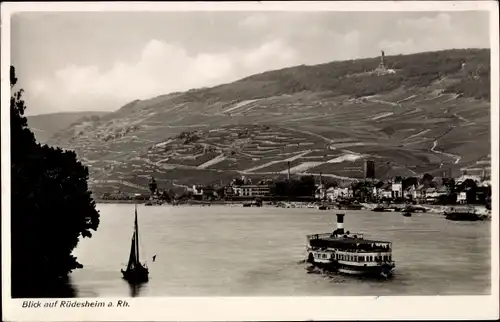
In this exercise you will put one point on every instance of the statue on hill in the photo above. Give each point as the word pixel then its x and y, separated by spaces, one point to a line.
pixel 51 208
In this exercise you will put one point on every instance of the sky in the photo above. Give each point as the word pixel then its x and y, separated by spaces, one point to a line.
pixel 99 61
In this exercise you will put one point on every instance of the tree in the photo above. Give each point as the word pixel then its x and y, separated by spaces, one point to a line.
pixel 427 178
pixel 450 184
pixel 51 208
pixel 470 188
pixel 411 181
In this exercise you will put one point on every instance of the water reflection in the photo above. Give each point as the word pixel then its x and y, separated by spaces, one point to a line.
pixel 62 288
pixel 135 289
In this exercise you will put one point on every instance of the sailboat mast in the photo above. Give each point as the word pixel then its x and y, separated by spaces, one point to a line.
pixel 136 235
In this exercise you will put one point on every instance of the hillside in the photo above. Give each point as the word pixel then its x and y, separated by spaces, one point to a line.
pixel 431 115
pixel 46 125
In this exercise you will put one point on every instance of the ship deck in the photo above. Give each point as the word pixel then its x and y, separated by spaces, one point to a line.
pixel 351 243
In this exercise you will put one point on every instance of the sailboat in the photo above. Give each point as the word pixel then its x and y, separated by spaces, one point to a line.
pixel 136 272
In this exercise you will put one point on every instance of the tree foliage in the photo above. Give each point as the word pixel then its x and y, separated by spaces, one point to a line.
pixel 51 208
pixel 304 186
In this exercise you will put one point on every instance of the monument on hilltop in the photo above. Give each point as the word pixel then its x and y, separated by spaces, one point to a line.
pixel 382 68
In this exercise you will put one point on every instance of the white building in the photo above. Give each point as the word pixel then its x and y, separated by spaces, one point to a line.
pixel 462 197
pixel 252 190
pixel 397 189
pixel 333 194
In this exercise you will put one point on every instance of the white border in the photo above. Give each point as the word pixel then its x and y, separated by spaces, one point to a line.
pixel 259 308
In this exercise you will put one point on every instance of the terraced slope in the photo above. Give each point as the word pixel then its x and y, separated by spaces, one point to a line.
pixel 429 119
pixel 46 125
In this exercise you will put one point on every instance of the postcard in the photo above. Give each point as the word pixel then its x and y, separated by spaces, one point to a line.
pixel 250 161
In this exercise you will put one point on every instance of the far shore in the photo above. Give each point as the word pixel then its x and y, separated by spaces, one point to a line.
pixel 432 208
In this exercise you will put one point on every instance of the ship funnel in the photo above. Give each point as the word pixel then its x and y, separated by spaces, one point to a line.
pixel 340 223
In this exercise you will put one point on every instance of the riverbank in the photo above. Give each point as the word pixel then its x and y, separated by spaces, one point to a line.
pixel 480 209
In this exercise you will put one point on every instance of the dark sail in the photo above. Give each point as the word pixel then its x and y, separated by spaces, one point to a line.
pixel 132 261
pixel 136 228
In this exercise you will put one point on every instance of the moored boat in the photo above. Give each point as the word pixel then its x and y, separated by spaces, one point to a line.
pixel 379 208
pixel 468 214
pixel 349 253
pixel 412 208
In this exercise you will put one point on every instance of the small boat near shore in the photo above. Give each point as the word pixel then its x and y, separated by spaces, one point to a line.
pixel 467 214
pixel 343 205
pixel 379 208
pixel 412 208
pixel 349 253
pixel 153 203
pixel 406 214
pixel 322 207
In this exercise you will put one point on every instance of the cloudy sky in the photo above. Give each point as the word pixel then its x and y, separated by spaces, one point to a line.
pixel 101 61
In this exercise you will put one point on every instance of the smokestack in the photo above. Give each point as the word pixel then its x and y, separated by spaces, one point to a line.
pixel 340 223
pixel 288 170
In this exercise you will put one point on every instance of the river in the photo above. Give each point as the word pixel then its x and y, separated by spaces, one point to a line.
pixel 236 251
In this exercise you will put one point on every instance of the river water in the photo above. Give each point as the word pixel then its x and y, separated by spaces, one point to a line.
pixel 236 251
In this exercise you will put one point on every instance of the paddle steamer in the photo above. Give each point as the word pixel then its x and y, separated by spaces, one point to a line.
pixel 349 253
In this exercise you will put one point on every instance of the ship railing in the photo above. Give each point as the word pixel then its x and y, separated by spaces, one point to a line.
pixel 319 236
pixel 367 250
pixel 329 235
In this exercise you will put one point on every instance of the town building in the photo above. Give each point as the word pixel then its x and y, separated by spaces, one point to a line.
pixel 229 191
pixel 321 192
pixel 203 192
pixel 339 193
pixel 383 192
pixel 462 197
pixel 434 194
pixel 397 190
pixel 252 190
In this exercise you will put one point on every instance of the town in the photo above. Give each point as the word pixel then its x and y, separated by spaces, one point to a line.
pixel 468 189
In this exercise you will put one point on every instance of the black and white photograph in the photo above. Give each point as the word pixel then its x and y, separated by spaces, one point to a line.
pixel 249 151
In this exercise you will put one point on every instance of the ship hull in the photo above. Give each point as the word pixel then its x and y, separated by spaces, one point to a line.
pixel 383 270
pixel 135 276
pixel 463 217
